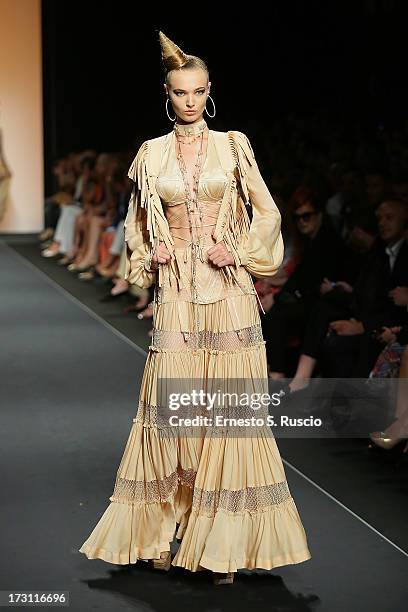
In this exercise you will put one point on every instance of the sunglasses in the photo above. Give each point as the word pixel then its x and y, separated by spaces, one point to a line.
pixel 306 216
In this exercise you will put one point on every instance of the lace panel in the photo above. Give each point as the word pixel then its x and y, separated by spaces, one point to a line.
pixel 153 491
pixel 140 491
pixel 250 499
pixel 186 476
pixel 220 341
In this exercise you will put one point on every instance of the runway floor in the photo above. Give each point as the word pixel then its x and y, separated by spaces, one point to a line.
pixel 70 372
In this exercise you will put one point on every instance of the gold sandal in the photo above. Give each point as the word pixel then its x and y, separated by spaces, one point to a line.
pixel 227 578
pixel 164 563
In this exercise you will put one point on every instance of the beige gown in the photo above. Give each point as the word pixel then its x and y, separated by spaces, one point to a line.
pixel 225 497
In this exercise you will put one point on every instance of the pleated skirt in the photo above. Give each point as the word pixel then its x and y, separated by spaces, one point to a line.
pixel 224 497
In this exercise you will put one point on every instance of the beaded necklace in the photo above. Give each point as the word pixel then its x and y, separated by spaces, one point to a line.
pixel 193 205
pixel 192 198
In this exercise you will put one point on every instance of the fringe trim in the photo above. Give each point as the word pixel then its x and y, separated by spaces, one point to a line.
pixel 145 195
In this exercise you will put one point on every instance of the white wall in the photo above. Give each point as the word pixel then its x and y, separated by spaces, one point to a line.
pixel 21 113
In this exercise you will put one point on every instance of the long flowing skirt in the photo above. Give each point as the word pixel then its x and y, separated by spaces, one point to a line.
pixel 225 497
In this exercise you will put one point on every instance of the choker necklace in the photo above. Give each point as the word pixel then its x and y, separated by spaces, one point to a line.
pixel 192 131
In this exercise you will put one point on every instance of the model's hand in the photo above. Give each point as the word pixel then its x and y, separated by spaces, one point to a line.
pixel 219 255
pixel 347 328
pixel 161 256
pixel 399 295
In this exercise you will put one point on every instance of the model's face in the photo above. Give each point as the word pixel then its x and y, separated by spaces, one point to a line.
pixel 188 91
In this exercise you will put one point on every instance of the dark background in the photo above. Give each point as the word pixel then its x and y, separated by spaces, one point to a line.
pixel 103 74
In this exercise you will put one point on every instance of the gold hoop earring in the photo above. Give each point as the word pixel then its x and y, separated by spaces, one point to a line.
pixel 213 106
pixel 167 110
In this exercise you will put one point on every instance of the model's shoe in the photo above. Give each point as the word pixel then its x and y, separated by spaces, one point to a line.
pixel 164 563
pixel 381 440
pixel 223 578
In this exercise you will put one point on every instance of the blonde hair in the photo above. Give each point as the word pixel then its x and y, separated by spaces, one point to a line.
pixel 175 59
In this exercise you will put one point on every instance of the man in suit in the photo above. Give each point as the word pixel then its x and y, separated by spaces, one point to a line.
pixel 349 344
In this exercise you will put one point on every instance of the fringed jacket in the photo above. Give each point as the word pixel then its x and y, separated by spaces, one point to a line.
pixel 257 244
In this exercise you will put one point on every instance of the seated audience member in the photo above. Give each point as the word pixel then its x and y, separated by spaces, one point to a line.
pixel 65 179
pixel 88 225
pixel 102 227
pixel 333 302
pixel 64 236
pixel 344 329
pixel 320 253
pixel 59 242
pixel 389 361
pixel 113 238
pixel 393 362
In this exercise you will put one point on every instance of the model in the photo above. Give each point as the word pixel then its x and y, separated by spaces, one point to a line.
pixel 188 232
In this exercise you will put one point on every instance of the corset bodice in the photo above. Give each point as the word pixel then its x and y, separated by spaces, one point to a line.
pixel 171 189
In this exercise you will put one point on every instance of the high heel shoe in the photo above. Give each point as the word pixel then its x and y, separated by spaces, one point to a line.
pixel 382 441
pixel 227 578
pixel 164 563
